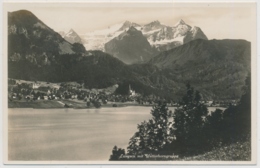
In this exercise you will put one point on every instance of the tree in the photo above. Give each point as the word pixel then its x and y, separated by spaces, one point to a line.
pixel 153 134
pixel 237 119
pixel 88 103
pixel 214 129
pixel 116 153
pixel 188 124
pixel 96 103
pixel 193 130
pixel 233 124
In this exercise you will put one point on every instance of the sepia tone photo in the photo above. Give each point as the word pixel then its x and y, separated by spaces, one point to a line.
pixel 130 83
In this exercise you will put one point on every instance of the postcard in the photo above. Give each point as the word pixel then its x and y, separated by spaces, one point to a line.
pixel 129 83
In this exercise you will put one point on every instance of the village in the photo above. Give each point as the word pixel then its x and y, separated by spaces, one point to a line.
pixel 73 95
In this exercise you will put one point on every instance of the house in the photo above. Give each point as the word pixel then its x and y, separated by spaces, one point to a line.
pixel 29 97
pixel 209 103
pixel 131 92
pixel 56 86
pixel 35 86
pixel 74 96
pixel 48 92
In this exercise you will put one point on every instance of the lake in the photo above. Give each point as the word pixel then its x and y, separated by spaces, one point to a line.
pixel 71 134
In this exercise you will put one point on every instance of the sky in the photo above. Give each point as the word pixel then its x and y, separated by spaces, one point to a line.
pixel 217 21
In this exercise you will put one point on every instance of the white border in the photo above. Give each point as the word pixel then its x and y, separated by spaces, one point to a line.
pixel 254 61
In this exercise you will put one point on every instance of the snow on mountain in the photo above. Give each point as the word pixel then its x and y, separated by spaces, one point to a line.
pixel 71 36
pixel 193 34
pixel 157 34
pixel 151 32
pixel 180 22
pixel 96 40
pixel 155 25
pixel 128 24
pixel 166 41
pixel 181 29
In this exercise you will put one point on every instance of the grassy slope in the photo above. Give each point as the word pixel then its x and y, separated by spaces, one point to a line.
pixel 240 151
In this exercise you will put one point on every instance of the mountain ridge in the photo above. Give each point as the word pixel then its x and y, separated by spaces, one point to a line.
pixel 155 32
pixel 218 68
pixel 31 39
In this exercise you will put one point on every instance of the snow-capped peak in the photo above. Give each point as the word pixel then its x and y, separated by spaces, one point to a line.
pixel 180 22
pixel 72 37
pixel 128 24
pixel 132 28
pixel 71 32
pixel 156 22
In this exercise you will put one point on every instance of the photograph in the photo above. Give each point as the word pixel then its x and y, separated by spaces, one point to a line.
pixel 129 83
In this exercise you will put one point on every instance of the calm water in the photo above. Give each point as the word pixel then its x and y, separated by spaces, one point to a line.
pixel 69 134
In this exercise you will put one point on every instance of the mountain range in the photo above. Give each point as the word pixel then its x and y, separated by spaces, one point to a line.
pixel 217 68
pixel 159 37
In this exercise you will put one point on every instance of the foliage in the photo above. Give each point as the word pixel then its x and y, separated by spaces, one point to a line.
pixel 231 125
pixel 96 103
pixel 154 134
pixel 79 48
pixel 11 82
pixel 236 123
pixel 214 128
pixel 116 153
pixel 193 130
pixel 188 124
pixel 196 131
pixel 114 105
pixel 88 104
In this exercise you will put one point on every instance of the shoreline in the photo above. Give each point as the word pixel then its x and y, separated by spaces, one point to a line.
pixel 59 104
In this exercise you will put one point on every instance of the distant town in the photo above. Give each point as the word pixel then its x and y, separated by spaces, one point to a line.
pixel 23 93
